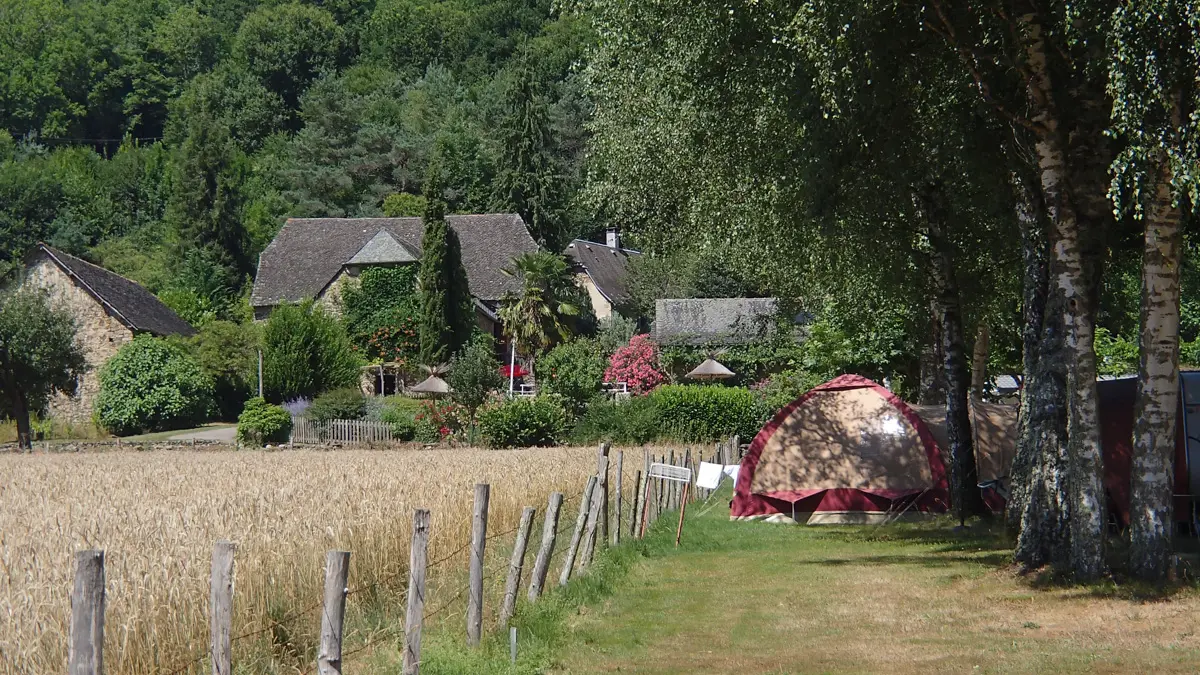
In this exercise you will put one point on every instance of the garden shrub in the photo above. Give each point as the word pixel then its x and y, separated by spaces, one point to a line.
pixel 573 370
pixel 152 385
pixel 228 353
pixel 523 422
pixel 305 352
pixel 707 413
pixel 438 420
pixel 781 389
pixel 631 422
pixel 261 423
pixel 404 427
pixel 340 404
pixel 636 364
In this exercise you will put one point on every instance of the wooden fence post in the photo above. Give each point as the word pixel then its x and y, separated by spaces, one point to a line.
pixel 546 550
pixel 616 529
pixel 478 544
pixel 337 573
pixel 595 514
pixel 645 506
pixel 687 461
pixel 737 449
pixel 585 503
pixel 86 649
pixel 513 583
pixel 635 518
pixel 418 558
pixel 220 607
pixel 602 464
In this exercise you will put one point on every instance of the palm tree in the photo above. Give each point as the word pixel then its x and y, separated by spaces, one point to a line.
pixel 539 315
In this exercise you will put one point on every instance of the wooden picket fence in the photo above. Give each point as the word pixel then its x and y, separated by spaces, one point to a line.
pixel 348 432
pixel 649 499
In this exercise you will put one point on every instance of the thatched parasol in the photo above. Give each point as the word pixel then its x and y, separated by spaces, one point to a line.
pixel 432 385
pixel 711 369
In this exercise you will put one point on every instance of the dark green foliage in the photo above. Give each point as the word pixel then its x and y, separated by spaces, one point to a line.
pixel 475 374
pixel 447 312
pixel 404 427
pixel 523 422
pixel 228 353
pixel 287 46
pixel 573 370
pixel 631 422
pixel 783 388
pixel 530 180
pixel 152 385
pixel 347 403
pixel 38 355
pixel 261 423
pixel 206 201
pixel 707 413
pixel 306 352
pixel 685 275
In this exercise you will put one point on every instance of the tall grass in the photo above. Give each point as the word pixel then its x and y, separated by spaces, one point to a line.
pixel 157 515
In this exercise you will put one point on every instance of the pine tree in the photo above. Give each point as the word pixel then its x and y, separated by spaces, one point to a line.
pixel 447 314
pixel 530 181
pixel 206 204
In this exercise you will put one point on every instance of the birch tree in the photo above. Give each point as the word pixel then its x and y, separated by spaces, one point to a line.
pixel 1153 67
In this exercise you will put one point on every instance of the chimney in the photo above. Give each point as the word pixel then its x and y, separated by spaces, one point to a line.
pixel 613 238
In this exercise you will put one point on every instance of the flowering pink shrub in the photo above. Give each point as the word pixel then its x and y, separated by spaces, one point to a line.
pixel 636 364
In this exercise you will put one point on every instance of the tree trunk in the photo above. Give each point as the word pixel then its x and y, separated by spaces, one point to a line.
pixel 20 412
pixel 1069 269
pixel 1041 500
pixel 1152 475
pixel 1035 252
pixel 933 375
pixel 965 498
pixel 979 359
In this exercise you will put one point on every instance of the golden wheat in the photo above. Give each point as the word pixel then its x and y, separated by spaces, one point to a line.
pixel 157 514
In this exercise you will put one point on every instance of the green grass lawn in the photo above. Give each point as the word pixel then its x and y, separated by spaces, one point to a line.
pixel 742 597
pixel 759 598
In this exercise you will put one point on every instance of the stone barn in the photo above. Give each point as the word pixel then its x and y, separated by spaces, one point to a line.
pixel 109 311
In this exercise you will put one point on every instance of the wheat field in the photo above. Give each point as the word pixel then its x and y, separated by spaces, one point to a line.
pixel 157 515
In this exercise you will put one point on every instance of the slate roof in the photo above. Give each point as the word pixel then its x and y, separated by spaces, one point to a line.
pixel 308 253
pixel 605 265
pixel 382 249
pixel 125 300
pixel 713 321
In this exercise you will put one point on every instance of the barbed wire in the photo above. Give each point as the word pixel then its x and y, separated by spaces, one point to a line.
pixel 279 623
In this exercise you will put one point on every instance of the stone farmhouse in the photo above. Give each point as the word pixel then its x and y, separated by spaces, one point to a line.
pixel 600 269
pixel 316 257
pixel 109 311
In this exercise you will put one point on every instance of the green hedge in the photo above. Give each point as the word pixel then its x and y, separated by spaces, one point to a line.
pixel 340 404
pixel 261 423
pixel 707 413
pixel 631 422
pixel 523 422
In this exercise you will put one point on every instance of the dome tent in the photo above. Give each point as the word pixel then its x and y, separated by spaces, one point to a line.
pixel 847 451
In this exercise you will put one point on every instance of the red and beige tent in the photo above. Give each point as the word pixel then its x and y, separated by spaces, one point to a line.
pixel 848 451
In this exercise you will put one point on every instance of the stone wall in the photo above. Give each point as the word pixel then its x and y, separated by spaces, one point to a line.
pixel 99 334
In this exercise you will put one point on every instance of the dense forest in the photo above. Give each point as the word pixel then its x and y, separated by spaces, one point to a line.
pixel 167 140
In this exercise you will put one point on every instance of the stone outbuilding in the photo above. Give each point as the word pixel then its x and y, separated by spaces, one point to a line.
pixel 109 311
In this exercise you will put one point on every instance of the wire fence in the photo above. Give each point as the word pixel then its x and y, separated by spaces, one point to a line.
pixel 632 498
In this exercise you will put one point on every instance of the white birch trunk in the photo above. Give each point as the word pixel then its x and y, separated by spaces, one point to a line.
pixel 1069 278
pixel 1152 475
